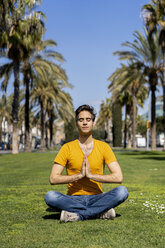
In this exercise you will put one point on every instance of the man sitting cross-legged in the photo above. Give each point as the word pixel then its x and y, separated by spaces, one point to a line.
pixel 85 159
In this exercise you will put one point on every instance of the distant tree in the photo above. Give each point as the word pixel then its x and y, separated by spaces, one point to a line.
pixel 71 132
pixel 141 127
pixel 105 117
pixel 100 134
pixel 160 124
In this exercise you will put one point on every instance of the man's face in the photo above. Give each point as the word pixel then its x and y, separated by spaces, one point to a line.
pixel 85 122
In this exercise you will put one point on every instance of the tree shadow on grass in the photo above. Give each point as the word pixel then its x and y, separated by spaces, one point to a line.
pixel 145 155
pixel 135 152
pixel 151 158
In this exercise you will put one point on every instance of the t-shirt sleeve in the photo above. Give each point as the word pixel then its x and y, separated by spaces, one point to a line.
pixel 62 156
pixel 109 155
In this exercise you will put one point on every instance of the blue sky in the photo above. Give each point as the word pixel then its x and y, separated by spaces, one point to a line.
pixel 87 33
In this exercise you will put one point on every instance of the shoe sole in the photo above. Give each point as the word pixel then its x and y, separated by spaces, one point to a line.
pixel 113 214
pixel 62 219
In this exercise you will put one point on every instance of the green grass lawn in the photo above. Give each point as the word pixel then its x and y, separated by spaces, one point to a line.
pixel 25 223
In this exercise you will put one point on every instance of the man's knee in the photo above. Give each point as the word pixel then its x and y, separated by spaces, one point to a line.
pixel 50 197
pixel 122 193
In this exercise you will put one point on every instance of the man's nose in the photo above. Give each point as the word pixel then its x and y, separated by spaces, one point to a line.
pixel 84 122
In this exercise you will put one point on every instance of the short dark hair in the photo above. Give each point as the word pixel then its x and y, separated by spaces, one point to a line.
pixel 85 107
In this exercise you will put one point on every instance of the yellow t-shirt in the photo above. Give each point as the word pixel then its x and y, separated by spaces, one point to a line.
pixel 71 156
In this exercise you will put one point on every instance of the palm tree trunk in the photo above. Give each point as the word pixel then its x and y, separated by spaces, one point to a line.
pixel 153 119
pixel 27 129
pixel 42 126
pixel 0 128
pixel 129 134
pixel 125 129
pixel 164 97
pixel 117 124
pixel 51 130
pixel 109 130
pixel 163 82
pixel 46 135
pixel 134 121
pixel 164 111
pixel 27 96
pixel 106 127
pixel 15 108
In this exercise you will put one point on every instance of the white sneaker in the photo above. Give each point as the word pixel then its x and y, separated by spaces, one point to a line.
pixel 109 214
pixel 68 216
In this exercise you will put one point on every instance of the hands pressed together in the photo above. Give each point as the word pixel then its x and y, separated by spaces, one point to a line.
pixel 85 168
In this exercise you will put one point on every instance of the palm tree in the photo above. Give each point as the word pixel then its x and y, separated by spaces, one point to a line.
pixel 43 66
pixel 146 53
pixel 16 40
pixel 154 17
pixel 40 61
pixel 153 14
pixel 48 90
pixel 128 82
pixel 28 81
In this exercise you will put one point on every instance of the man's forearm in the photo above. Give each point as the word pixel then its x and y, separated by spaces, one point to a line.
pixel 110 178
pixel 62 179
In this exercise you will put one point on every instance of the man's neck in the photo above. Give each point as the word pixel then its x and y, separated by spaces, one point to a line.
pixel 85 139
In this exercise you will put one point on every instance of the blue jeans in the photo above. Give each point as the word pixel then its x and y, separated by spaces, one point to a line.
pixel 87 206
